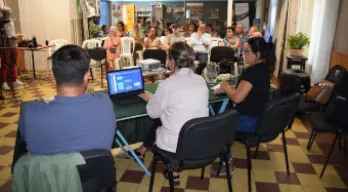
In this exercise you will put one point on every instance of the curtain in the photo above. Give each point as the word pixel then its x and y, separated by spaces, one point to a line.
pixel 322 36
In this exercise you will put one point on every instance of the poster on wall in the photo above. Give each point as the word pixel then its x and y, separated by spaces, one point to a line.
pixel 130 16
pixel 242 15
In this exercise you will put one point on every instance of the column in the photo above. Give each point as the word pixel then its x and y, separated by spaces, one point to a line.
pixel 229 12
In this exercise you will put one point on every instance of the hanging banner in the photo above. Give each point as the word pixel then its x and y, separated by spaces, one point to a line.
pixel 130 17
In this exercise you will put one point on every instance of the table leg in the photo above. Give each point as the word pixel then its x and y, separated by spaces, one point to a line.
pixel 141 164
pixel 222 108
pixel 224 105
pixel 33 60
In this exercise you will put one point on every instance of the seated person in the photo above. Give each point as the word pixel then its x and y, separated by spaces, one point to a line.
pixel 173 37
pixel 175 102
pixel 74 121
pixel 252 31
pixel 231 40
pixel 251 94
pixel 152 41
pixel 200 42
pixel 113 48
pixel 191 29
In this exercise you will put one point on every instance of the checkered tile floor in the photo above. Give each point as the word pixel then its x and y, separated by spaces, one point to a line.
pixel 268 174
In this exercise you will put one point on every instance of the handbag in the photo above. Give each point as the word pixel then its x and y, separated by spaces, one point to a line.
pixel 321 92
pixel 112 50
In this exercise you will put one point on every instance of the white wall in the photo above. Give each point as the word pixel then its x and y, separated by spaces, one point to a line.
pixel 47 20
pixel 340 42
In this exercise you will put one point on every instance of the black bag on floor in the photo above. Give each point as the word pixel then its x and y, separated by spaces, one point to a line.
pixel 336 74
pixel 303 78
pixel 337 109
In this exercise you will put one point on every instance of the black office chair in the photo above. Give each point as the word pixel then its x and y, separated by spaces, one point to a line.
pixel 200 142
pixel 158 54
pixel 275 119
pixel 98 174
pixel 220 53
pixel 98 54
pixel 332 120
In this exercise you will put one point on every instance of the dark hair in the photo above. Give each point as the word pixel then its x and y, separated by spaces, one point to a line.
pixel 175 26
pixel 70 63
pixel 182 54
pixel 210 25
pixel 169 29
pixel 122 25
pixel 194 25
pixel 232 29
pixel 259 45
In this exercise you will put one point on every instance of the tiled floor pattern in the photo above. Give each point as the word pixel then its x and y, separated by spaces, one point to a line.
pixel 268 174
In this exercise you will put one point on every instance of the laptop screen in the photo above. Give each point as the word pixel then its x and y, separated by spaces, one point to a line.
pixel 125 81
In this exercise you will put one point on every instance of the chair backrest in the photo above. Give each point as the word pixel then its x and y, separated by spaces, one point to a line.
pixel 99 171
pixel 220 53
pixel 102 40
pixel 158 54
pixel 215 42
pixel 204 138
pixel 127 43
pixel 91 43
pixel 58 43
pixel 336 74
pixel 289 84
pixel 277 115
pixel 98 53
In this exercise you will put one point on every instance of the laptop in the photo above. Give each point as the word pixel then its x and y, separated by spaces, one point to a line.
pixel 125 85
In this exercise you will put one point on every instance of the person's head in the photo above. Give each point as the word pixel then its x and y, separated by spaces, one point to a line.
pixel 152 32
pixel 257 34
pixel 192 27
pixel 229 32
pixel 202 28
pixel 176 29
pixel 167 31
pixel 181 55
pixel 258 50
pixel 103 28
pixel 209 29
pixel 6 12
pixel 156 25
pixel 239 28
pixel 120 26
pixel 252 30
pixel 225 23
pixel 113 31
pixel 135 28
pixel 70 65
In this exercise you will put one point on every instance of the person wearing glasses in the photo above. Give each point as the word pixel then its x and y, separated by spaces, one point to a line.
pixel 251 94
pixel 200 42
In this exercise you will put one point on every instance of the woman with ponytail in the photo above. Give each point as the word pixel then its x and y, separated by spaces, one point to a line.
pixel 251 94
pixel 178 99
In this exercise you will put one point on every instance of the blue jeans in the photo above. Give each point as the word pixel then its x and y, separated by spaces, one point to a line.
pixel 245 124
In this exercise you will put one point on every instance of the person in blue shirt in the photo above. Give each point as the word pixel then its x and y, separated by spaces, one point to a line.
pixel 73 121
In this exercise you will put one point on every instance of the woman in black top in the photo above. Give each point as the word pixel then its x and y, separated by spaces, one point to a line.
pixel 251 94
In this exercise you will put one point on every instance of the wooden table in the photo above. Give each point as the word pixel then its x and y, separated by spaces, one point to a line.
pixel 294 60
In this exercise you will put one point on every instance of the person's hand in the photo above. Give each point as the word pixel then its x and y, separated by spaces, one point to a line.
pixel 218 91
pixel 224 85
pixel 146 96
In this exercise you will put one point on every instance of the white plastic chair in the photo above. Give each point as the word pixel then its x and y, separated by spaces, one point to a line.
pixel 102 40
pixel 215 42
pixel 90 44
pixel 127 43
pixel 58 43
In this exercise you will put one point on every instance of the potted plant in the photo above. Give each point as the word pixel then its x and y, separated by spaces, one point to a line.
pixel 296 44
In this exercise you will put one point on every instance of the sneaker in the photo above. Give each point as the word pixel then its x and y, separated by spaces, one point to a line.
pixel 5 86
pixel 18 83
pixel 215 167
pixel 176 179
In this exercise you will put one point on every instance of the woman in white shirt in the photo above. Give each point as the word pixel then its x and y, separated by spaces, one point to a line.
pixel 182 97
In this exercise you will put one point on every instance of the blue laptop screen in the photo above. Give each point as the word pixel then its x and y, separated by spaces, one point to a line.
pixel 124 81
